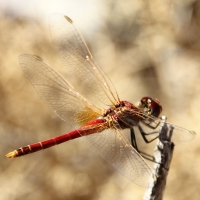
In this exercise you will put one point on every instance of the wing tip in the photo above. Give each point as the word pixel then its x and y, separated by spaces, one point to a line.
pixel 193 133
pixel 23 58
pixel 37 57
pixel 68 19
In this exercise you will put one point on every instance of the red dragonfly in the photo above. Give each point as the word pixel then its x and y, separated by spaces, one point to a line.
pixel 102 127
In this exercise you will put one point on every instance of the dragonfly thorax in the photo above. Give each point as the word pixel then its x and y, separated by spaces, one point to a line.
pixel 125 114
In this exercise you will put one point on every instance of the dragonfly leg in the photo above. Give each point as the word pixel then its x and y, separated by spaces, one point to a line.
pixel 134 144
pixel 151 158
pixel 142 153
pixel 133 139
pixel 150 125
pixel 145 134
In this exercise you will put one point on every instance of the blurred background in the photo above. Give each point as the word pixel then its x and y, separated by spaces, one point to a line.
pixel 147 48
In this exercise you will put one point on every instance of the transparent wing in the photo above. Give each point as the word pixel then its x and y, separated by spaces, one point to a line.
pixel 153 124
pixel 78 60
pixel 114 148
pixel 70 106
pixel 180 134
pixel 59 95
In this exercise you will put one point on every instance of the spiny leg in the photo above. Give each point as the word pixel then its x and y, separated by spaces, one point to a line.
pixel 148 123
pixel 134 144
pixel 144 134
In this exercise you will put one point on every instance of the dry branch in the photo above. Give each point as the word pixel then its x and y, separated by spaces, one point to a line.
pixel 163 156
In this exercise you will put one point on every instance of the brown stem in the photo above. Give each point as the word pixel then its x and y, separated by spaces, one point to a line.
pixel 163 155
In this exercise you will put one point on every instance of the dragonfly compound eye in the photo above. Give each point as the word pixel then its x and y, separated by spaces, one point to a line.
pixel 156 108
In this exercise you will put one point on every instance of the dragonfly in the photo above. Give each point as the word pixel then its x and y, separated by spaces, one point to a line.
pixel 102 117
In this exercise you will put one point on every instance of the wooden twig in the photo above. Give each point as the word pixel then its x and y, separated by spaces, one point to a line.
pixel 163 156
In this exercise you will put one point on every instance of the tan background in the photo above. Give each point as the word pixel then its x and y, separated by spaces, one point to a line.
pixel 147 48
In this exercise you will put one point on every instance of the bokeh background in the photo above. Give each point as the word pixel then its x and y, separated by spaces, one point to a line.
pixel 147 48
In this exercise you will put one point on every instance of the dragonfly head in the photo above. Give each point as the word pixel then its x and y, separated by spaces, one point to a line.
pixel 150 106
